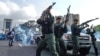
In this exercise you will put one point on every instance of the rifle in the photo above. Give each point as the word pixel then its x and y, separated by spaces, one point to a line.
pixel 84 23
pixel 45 12
pixel 68 12
pixel 81 26
pixel 68 9
pixel 67 16
pixel 50 7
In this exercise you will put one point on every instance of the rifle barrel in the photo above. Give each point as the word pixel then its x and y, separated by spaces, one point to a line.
pixel 50 7
pixel 89 21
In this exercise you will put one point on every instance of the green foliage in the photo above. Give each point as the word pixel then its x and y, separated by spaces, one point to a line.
pixel 97 28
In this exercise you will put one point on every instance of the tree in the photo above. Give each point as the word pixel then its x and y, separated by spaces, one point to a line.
pixel 97 28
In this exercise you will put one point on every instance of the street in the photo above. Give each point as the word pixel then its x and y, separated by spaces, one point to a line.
pixel 18 50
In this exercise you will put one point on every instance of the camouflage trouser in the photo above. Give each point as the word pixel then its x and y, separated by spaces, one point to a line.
pixel 61 48
pixel 48 41
pixel 75 45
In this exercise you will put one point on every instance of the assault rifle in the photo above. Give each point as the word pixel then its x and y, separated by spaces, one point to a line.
pixel 68 12
pixel 84 23
pixel 47 11
pixel 68 9
pixel 67 16
pixel 50 7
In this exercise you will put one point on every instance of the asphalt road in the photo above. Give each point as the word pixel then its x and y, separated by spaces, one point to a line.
pixel 19 50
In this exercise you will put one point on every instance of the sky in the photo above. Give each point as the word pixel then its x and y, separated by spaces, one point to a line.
pixel 23 10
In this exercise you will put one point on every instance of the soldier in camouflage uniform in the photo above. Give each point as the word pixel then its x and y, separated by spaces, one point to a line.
pixel 75 29
pixel 47 21
pixel 59 29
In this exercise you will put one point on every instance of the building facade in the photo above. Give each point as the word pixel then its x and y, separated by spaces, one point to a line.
pixel 7 24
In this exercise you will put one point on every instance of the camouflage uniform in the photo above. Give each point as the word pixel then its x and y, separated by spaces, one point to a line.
pixel 76 29
pixel 59 31
pixel 49 40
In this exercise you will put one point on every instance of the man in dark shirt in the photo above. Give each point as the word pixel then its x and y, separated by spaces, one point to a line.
pixel 75 29
pixel 10 37
pixel 47 21
pixel 59 29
